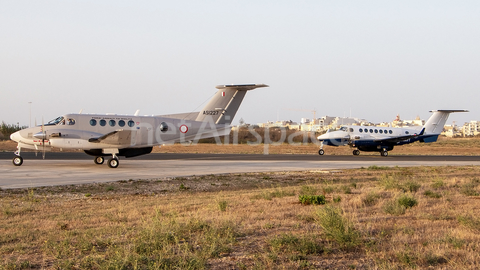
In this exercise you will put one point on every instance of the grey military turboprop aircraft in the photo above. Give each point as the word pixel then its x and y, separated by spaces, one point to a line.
pixel 111 135
pixel 383 139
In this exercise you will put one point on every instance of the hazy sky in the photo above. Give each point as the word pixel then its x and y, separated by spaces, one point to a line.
pixel 371 58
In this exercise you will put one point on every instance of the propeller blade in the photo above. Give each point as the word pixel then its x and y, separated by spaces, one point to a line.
pixel 43 138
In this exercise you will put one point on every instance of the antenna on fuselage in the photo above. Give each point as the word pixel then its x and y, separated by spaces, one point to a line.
pixel 137 113
pixel 80 112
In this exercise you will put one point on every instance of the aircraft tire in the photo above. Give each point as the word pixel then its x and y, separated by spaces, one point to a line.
pixel 113 163
pixel 356 152
pixel 17 161
pixel 98 160
pixel 384 153
pixel 321 152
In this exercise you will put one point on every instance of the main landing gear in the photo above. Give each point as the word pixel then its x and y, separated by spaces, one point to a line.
pixel 384 152
pixel 112 162
pixel 356 152
pixel 17 160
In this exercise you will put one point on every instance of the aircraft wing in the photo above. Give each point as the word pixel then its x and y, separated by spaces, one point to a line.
pixel 118 137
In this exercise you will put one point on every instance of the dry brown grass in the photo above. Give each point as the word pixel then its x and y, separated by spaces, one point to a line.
pixel 101 226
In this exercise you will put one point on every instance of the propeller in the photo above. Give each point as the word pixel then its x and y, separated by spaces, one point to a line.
pixel 43 139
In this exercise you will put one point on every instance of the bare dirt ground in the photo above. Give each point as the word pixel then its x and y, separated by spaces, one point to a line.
pixel 444 146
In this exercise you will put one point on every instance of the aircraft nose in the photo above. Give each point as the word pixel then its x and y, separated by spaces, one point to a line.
pixel 16 136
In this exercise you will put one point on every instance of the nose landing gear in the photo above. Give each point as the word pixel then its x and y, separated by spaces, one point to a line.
pixel 17 160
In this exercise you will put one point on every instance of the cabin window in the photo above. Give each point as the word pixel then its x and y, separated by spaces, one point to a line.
pixel 112 123
pixel 163 127
pixel 361 130
pixel 121 123
pixel 376 130
pixel 351 129
pixel 131 123
pixel 385 131
pixel 381 131
pixel 371 130
pixel 406 132
pixel 390 131
pixel 366 130
pixel 93 122
pixel 103 122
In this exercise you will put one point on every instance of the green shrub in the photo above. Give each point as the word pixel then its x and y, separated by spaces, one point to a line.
pixel 312 199
pixel 337 227
pixel 407 201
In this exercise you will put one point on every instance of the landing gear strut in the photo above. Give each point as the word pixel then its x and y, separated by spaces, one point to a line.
pixel 384 152
pixel 321 152
pixel 17 160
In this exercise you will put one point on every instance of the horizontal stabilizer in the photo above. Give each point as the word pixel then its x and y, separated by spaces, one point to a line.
pixel 241 87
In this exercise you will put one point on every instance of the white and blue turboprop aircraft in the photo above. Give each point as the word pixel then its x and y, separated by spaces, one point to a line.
pixel 383 139
pixel 102 135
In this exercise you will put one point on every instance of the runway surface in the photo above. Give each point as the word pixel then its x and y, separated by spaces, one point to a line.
pixel 78 168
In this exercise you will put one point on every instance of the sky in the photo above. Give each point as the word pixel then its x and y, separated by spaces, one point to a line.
pixel 365 59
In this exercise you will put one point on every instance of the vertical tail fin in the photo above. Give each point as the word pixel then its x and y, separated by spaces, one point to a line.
pixel 225 103
pixel 436 122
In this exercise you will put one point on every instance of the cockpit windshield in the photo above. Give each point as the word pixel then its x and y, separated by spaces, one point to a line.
pixel 343 128
pixel 59 120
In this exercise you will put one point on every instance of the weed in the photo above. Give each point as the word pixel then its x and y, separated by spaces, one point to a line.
pixel 88 195
pixel 377 168
pixel 296 247
pixel 327 189
pixel 432 194
pixel 438 183
pixel 337 227
pixel 407 258
pixel 183 187
pixel 308 190
pixel 371 199
pixel 337 199
pixel 392 207
pixel 110 188
pixel 222 205
pixel 389 181
pixel 468 189
pixel 470 222
pixel 455 242
pixel 277 193
pixel 312 199
pixel 411 186
pixel 346 190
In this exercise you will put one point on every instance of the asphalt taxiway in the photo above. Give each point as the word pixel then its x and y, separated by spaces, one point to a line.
pixel 78 168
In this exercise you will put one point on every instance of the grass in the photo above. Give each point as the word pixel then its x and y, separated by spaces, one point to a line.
pixel 251 223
